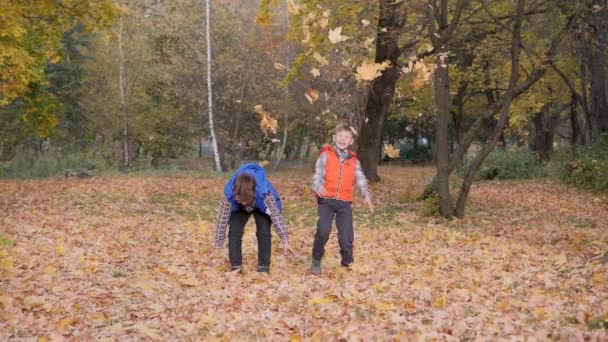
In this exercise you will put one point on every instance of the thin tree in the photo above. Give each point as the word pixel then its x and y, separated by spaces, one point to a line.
pixel 122 89
pixel 216 154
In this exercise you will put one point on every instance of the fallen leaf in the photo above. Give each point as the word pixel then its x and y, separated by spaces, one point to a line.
pixel 335 35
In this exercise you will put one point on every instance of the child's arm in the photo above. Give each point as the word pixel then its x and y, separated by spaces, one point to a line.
pixel 223 218
pixel 361 183
pixel 277 218
pixel 318 179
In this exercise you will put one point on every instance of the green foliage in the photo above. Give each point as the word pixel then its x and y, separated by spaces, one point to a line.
pixel 509 164
pixel 51 163
pixel 586 168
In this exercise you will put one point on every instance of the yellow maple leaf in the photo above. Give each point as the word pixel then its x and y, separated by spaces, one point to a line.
pixel 335 35
pixel 311 95
pixel 63 325
pixel 440 302
pixel 315 72
pixel 60 249
pixel 50 269
pixel 369 71
pixel 322 60
pixel 6 263
pixel 319 301
pixel 391 151
pixel 191 281
pixel 293 7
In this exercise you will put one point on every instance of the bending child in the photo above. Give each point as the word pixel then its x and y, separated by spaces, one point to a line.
pixel 337 171
pixel 249 192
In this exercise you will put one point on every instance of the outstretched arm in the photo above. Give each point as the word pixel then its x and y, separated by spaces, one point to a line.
pixel 276 217
pixel 361 183
pixel 223 218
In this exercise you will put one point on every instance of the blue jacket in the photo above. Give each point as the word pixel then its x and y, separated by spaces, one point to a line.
pixel 262 187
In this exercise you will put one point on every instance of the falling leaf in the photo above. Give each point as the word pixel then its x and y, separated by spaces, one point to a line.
pixel 267 123
pixel 369 71
pixel 322 60
pixel 335 35
pixel 315 72
pixel 365 22
pixel 311 95
pixel 391 151
pixel 293 7
pixel 323 22
pixel 263 163
pixel 279 66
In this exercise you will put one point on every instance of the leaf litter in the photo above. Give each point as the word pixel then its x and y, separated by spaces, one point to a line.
pixel 132 258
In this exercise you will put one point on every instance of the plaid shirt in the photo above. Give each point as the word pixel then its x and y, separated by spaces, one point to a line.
pixel 223 219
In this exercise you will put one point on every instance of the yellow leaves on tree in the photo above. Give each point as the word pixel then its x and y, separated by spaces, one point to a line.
pixel 268 125
pixel 369 71
pixel 31 37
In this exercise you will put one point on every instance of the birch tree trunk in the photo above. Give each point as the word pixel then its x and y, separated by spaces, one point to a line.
pixel 122 89
pixel 216 154
pixel 283 143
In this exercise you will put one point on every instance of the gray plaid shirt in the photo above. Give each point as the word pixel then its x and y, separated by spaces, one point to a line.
pixel 223 219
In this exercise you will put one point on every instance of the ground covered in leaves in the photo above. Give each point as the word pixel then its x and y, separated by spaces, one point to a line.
pixel 131 258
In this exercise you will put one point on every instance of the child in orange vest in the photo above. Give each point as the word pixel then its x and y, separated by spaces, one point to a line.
pixel 337 172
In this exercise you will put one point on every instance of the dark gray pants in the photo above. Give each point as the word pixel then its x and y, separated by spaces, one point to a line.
pixel 343 212
pixel 238 220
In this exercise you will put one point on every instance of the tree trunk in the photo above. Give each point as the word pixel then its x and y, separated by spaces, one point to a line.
pixel 391 19
pixel 576 137
pixel 216 154
pixel 440 41
pixel 584 95
pixel 504 113
pixel 281 150
pixel 599 104
pixel 442 153
pixel 543 137
pixel 122 88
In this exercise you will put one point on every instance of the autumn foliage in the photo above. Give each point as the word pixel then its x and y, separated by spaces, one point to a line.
pixel 131 258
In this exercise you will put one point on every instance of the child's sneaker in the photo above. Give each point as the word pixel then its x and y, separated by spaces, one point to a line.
pixel 316 267
pixel 264 269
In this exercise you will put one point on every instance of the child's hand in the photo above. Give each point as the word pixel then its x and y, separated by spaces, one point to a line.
pixel 286 248
pixel 370 205
pixel 321 191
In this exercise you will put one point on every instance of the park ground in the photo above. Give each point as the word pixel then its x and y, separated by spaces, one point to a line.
pixel 131 258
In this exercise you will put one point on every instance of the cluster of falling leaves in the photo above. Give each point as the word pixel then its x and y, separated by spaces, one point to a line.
pixel 268 124
pixel 131 258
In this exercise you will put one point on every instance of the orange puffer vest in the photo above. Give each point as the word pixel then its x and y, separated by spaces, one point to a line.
pixel 339 176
